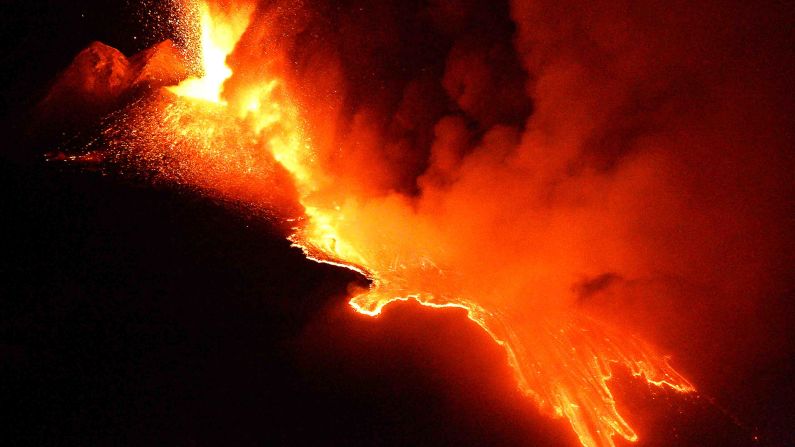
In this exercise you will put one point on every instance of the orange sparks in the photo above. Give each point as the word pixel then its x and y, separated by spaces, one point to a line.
pixel 218 38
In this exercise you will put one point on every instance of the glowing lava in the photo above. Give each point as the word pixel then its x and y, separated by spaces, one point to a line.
pixel 562 360
pixel 218 38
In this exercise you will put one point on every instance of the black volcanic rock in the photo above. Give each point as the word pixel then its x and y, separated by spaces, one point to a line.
pixel 91 85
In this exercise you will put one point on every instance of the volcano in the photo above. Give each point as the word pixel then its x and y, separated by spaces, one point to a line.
pixel 564 228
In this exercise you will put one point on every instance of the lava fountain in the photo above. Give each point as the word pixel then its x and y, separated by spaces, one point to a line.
pixel 246 143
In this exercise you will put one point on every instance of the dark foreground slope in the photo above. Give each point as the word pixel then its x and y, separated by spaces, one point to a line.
pixel 138 316
pixel 134 315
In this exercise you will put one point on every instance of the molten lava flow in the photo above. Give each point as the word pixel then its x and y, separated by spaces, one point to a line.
pixel 563 360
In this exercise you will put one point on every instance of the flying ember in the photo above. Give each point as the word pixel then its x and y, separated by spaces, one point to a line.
pixel 218 39
pixel 240 129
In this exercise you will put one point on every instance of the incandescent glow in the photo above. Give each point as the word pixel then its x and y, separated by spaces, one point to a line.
pixel 561 358
pixel 217 40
